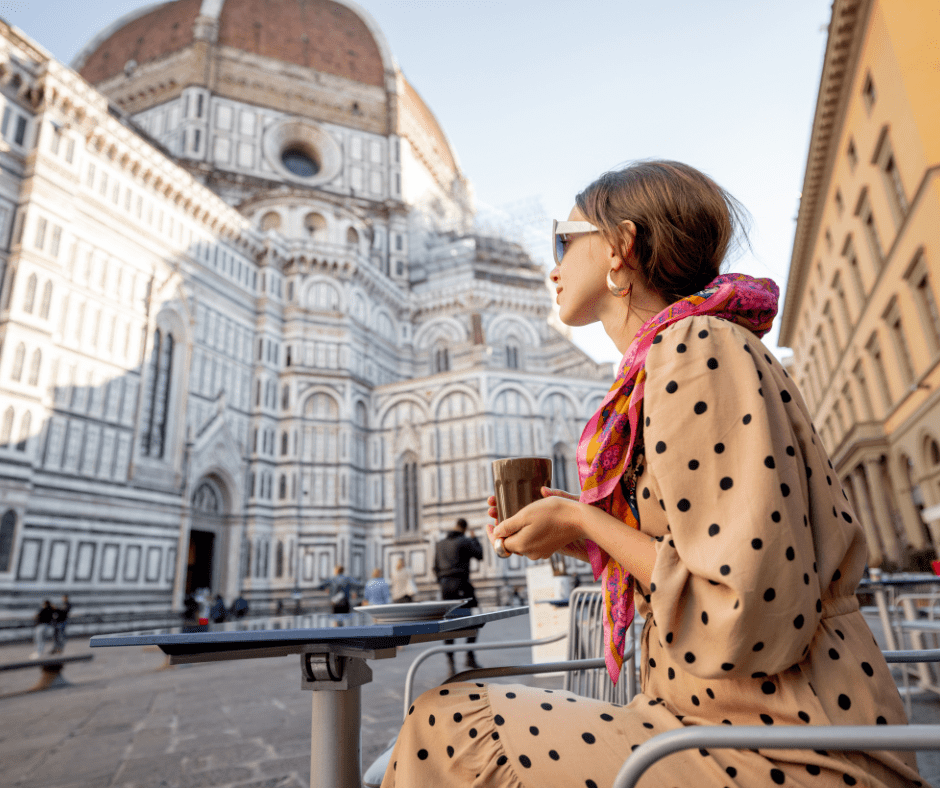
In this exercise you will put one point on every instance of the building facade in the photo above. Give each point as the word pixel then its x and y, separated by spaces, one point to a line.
pixel 861 304
pixel 246 329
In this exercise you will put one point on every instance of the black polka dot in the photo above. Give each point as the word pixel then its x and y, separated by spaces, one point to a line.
pixel 726 666
pixel 770 595
pixel 450 751
pixel 845 702
pixel 499 720
pixel 495 735
pixel 671 673
pixel 813 769
pixel 510 694
pixel 868 669
pixel 693 465
pixel 757 646
pixel 431 720
pixel 533 730
pixel 422 755
pixel 803 716
pixel 791 451
pixel 553 755
pixel 590 784
pixel 652 662
pixel 767 719
pixel 546 706
pixel 848 779
pixel 689 657
pixel 681 347
pixel 669 637
pixel 473 733
pixel 458 716
pixel 660 447
pixel 588 737
pixel 696 701
pixel 672 387
pixel 791 553
pixel 847 517
pixel 524 760
pixel 445 692
pixel 648 726
pixel 785 395
pixel 732 772
pixel 833 654
pixel 501 760
pixel 784 490
pixel 719 448
pixel 474 696
pixel 411 710
pixel 683 505
pixel 881 721
pixel 702 334
pixel 712 363
pixel 726 483
pixel 768 688
pixel 725 569
pixel 700 408
pixel 799 621
pixel 646 493
pixel 747 418
pixel 606 717
pixel 704 617
pixel 647 420
pixel 713 529
pixel 769 462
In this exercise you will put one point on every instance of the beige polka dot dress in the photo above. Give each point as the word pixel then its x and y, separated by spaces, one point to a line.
pixel 751 614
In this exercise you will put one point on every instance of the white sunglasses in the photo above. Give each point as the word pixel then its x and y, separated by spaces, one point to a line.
pixel 562 232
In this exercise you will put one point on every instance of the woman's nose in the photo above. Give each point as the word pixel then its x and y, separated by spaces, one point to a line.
pixel 554 274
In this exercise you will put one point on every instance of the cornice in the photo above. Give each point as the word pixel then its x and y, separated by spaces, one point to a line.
pixel 843 48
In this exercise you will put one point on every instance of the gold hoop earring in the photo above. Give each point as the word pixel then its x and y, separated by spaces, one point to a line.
pixel 618 292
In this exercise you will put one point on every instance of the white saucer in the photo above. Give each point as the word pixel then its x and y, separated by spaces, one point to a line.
pixel 411 611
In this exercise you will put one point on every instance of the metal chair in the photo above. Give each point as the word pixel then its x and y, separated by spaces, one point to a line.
pixel 810 737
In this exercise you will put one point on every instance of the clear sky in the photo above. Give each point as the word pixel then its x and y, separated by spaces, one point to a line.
pixel 538 97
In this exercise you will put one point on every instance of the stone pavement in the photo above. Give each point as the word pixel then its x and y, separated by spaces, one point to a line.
pixel 129 722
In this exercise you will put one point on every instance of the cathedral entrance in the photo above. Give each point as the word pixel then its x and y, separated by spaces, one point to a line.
pixel 208 519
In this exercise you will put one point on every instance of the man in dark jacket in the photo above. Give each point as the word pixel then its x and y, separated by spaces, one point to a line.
pixel 452 568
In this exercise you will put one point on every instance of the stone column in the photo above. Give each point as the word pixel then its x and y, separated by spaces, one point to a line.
pixel 879 504
pixel 913 524
pixel 860 504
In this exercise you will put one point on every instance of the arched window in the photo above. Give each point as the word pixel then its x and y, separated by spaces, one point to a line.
pixel 6 429
pixel 18 357
pixel 25 424
pixel 282 487
pixel 352 237
pixel 7 532
pixel 512 357
pixel 283 445
pixel 34 367
pixel 156 411
pixel 315 225
pixel 407 496
pixel 285 394
pixel 29 298
pixel 46 302
pixel 560 467
pixel 279 559
pixel 932 452
pixel 441 359
pixel 270 221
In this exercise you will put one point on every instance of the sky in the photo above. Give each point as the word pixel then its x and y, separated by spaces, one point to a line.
pixel 539 97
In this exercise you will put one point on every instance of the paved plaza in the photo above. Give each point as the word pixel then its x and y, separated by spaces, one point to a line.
pixel 128 721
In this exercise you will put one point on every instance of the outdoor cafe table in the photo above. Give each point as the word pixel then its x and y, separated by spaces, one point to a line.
pixel 333 650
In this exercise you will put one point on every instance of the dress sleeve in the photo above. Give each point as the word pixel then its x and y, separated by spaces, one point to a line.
pixel 733 590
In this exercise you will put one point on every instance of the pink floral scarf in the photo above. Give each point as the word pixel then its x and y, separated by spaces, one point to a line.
pixel 607 443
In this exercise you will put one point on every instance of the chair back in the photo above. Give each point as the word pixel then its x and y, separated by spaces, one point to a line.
pixel 586 641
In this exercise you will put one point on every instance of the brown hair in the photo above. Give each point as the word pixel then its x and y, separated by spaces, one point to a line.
pixel 685 222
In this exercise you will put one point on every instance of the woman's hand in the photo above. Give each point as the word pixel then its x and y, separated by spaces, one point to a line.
pixel 541 528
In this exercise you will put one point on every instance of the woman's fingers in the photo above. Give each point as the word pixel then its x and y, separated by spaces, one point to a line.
pixel 548 491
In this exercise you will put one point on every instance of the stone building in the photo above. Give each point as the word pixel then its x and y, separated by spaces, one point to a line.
pixel 861 303
pixel 247 330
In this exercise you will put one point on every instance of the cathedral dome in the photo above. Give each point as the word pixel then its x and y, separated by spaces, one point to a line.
pixel 331 37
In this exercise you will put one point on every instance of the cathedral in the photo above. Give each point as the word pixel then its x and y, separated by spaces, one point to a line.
pixel 247 330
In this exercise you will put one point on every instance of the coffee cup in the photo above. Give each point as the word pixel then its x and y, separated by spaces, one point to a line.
pixel 518 481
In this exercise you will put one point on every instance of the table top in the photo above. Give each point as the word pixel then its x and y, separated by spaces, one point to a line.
pixel 900 580
pixel 294 634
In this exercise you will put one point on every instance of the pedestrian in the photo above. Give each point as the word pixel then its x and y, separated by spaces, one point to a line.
pixel 377 591
pixel 707 501
pixel 240 607
pixel 341 589
pixel 60 617
pixel 218 612
pixel 404 588
pixel 42 632
pixel 452 569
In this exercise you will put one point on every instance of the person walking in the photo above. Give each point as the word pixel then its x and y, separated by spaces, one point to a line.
pixel 377 591
pixel 404 588
pixel 341 588
pixel 60 617
pixel 218 613
pixel 452 569
pixel 43 631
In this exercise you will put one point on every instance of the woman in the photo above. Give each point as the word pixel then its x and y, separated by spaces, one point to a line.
pixel 706 493
pixel 377 591
pixel 404 587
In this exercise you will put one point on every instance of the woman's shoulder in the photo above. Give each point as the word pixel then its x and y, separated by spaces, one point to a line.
pixel 705 335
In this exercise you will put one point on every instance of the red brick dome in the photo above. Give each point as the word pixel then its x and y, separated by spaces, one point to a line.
pixel 324 35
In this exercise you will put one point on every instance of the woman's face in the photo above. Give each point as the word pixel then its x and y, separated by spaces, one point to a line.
pixel 580 279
